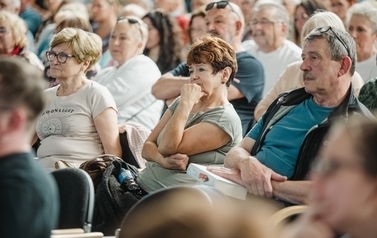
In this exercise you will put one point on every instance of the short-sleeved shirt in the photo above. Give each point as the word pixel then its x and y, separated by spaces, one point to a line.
pixel 249 79
pixel 281 146
pixel 154 176
pixel 66 126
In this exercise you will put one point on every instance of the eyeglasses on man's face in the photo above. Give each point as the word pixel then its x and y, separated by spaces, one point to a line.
pixel 221 5
pixel 61 56
pixel 132 21
pixel 329 28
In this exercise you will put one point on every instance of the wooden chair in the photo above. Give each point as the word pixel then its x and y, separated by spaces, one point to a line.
pixel 286 214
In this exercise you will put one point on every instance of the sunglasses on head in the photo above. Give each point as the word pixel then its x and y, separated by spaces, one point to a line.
pixel 132 21
pixel 221 5
pixel 329 28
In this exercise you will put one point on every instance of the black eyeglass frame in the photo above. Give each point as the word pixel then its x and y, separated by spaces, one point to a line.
pixel 132 21
pixel 221 5
pixel 51 55
pixel 329 28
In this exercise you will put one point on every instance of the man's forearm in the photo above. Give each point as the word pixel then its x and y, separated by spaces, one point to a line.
pixel 168 86
pixel 234 156
pixel 296 192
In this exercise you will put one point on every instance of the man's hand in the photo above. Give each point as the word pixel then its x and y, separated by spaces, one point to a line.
pixel 176 161
pixel 257 177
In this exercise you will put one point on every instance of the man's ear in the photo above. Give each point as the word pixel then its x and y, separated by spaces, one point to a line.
pixel 238 26
pixel 345 66
pixel 227 71
pixel 284 29
pixel 13 120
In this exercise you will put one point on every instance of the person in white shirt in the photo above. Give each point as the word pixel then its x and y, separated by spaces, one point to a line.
pixel 270 45
pixel 361 23
pixel 130 81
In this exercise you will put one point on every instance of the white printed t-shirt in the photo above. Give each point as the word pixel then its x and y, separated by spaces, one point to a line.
pixel 274 62
pixel 66 126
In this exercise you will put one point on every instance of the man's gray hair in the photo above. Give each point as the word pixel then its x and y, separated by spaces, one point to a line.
pixel 336 48
pixel 281 14
pixel 16 3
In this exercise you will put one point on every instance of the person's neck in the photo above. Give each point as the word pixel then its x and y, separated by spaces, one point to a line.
pixel 13 144
pixel 154 53
pixel 367 229
pixel 272 47
pixel 237 46
pixel 213 101
pixel 71 85
pixel 333 98
pixel 365 54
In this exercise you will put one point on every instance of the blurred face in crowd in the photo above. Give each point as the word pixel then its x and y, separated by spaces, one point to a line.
pixel 266 29
pixel 53 5
pixel 101 10
pixel 360 28
pixel 320 72
pixel 195 4
pixel 7 5
pixel 197 28
pixel 300 18
pixel 125 41
pixel 222 23
pixel 340 7
pixel 7 42
pixel 153 34
pixel 342 194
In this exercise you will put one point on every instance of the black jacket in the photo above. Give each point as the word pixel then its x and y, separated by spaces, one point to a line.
pixel 316 135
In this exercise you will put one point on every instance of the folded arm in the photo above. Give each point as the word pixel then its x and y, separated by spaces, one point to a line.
pixel 169 86
pixel 296 192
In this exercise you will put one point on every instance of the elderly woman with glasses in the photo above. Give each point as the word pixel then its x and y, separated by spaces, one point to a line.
pixel 131 80
pixel 344 192
pixel 79 121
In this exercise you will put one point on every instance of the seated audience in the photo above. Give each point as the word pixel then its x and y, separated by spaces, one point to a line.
pixel 201 126
pixel 270 44
pixel 29 200
pixel 131 80
pixel 164 44
pixel 292 76
pixel 361 23
pixel 288 136
pixel 245 91
pixel 79 120
pixel 13 39
pixel 343 195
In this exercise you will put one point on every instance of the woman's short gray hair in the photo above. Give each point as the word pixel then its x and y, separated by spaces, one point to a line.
pixel 281 13
pixel 86 46
pixel 367 9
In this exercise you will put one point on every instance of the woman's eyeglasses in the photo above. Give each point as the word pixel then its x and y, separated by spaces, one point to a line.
pixel 61 56
pixel 329 28
pixel 132 21
pixel 221 5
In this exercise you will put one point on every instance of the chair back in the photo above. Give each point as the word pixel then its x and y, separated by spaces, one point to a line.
pixel 76 198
